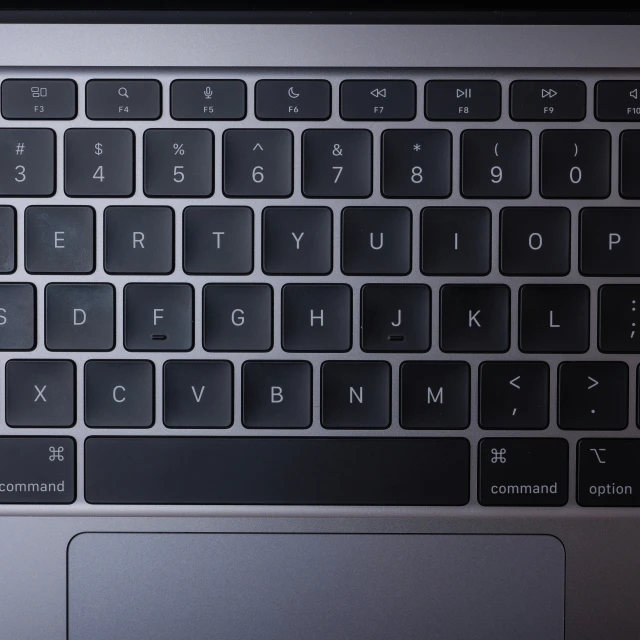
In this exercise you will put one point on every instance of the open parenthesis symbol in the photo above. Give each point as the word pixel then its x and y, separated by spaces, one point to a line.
pixel 495 149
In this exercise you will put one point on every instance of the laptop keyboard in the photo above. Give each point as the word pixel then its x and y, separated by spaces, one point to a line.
pixel 319 290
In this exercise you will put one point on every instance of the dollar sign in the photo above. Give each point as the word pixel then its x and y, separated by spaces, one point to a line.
pixel 98 149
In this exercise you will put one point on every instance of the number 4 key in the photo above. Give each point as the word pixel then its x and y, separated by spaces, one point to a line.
pixel 27 162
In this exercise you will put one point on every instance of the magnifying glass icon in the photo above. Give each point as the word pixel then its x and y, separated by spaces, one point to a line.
pixel 122 91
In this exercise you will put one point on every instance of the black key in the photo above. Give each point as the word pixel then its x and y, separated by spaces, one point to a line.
pixel 593 395
pixel 463 100
pixel 514 395
pixel 99 162
pixel 27 162
pixel 238 317
pixel 538 100
pixel 258 163
pixel 80 317
pixel 630 164
pixel 316 317
pixel 416 163
pixel 208 100
pixel 7 239
pixel 456 241
pixel 198 394
pixel 218 240
pixel 575 164
pixel 618 100
pixel 376 241
pixel 17 316
pixel 474 318
pixel 535 241
pixel 277 395
pixel 158 317
pixel 296 471
pixel 523 472
pixel 118 393
pixel 619 319
pixel 496 164
pixel 608 242
pixel 554 319
pixel 178 163
pixel 293 100
pixel 124 100
pixel 297 240
pixel 378 100
pixel 396 318
pixel 40 393
pixel 435 395
pixel 59 239
pixel 356 395
pixel 337 163
pixel 138 240
pixel 39 99
pixel 37 470
pixel 609 473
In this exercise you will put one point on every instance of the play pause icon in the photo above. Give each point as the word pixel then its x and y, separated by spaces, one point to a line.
pixel 463 93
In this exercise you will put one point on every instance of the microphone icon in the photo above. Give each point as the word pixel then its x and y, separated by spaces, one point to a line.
pixel 208 93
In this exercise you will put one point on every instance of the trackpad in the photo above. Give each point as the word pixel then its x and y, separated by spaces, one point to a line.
pixel 315 587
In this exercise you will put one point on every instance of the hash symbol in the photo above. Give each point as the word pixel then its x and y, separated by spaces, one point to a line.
pixel 20 148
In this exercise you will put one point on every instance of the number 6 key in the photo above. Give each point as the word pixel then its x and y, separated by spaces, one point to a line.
pixel 27 162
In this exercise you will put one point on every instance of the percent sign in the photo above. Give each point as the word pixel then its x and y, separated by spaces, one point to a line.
pixel 178 149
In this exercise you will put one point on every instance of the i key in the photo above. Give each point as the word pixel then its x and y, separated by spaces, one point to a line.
pixel 27 162
pixel 619 319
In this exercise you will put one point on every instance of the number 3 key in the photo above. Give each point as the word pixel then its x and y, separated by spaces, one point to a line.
pixel 27 162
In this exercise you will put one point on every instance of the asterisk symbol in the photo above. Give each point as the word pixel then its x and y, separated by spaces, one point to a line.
pixel 416 147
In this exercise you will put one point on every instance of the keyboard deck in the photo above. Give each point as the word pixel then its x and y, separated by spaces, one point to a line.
pixel 319 288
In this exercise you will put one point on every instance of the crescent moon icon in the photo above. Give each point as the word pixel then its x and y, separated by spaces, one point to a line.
pixel 292 93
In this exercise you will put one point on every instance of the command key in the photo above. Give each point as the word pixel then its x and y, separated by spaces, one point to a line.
pixel 37 470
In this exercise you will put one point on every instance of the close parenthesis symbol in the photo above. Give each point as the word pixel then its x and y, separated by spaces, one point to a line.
pixel 576 146
pixel 495 150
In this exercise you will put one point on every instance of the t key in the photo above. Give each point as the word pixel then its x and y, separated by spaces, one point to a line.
pixel 27 162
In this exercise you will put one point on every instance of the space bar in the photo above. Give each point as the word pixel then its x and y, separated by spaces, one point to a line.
pixel 277 471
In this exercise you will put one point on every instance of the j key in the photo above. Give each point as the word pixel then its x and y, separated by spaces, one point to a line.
pixel 416 163
pixel 619 316
pixel 99 162
pixel 27 162
pixel 276 395
pixel 535 241
pixel 118 393
pixel 525 472
pixel 337 163
pixel 7 239
pixel 548 100
pixel 59 239
pixel 609 473
pixel 79 317
pixel 474 318
pixel 463 100
pixel 124 100
pixel 435 395
pixel 378 100
pixel 198 394
pixel 178 163
pixel 617 100
pixel 293 100
pixel 608 242
pixel 218 240
pixel 554 319
pixel 456 241
pixel 39 99
pixel 258 163
pixel 40 393
pixel 376 241
pixel 208 100
pixel 158 317
pixel 17 317
pixel 396 318
pixel 514 395
pixel 356 395
pixel 593 395
pixel 575 164
pixel 38 470
pixel 496 164
pixel 138 240
pixel 630 164
pixel 238 317
pixel 299 471
pixel 316 317
pixel 297 240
